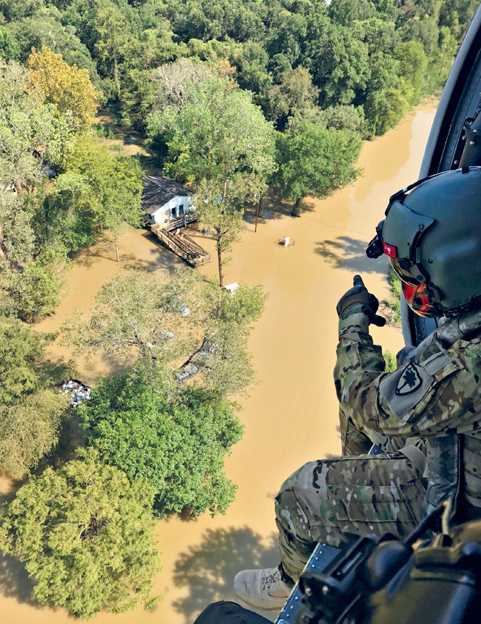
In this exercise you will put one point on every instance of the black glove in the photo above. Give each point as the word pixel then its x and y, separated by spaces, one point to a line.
pixel 358 295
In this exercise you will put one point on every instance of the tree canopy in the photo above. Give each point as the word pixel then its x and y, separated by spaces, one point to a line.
pixel 31 411
pixel 86 535
pixel 316 161
pixel 69 88
pixel 179 447
pixel 138 316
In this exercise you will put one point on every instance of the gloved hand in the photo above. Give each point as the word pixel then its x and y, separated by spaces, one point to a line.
pixel 359 296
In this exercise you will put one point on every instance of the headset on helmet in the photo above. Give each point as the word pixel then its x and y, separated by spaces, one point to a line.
pixel 432 236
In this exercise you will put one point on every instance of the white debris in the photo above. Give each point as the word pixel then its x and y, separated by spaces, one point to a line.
pixel 76 392
pixel 232 287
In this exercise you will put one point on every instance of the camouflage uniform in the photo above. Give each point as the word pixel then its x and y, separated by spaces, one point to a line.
pixel 434 397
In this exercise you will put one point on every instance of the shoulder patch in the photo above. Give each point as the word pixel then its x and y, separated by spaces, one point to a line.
pixel 404 388
pixel 409 381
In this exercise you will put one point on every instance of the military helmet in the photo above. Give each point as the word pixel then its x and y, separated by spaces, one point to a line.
pixel 432 236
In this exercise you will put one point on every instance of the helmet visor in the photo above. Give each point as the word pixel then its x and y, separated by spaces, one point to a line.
pixel 418 301
pixel 403 274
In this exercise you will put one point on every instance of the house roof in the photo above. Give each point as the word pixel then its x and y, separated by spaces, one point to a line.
pixel 158 190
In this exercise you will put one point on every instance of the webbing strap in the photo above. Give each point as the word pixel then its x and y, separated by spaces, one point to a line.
pixel 472 459
pixel 416 457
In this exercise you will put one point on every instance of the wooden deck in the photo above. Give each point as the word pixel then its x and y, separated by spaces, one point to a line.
pixel 182 245
pixel 182 221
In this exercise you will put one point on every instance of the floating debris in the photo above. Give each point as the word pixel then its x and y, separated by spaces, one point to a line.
pixel 188 371
pixel 286 242
pixel 232 287
pixel 76 391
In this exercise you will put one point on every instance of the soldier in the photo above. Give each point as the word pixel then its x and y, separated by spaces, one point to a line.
pixel 425 416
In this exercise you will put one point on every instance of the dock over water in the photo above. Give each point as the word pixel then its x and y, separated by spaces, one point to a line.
pixel 181 244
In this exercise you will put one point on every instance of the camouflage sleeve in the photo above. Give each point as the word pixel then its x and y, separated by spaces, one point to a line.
pixel 437 394
pixel 359 367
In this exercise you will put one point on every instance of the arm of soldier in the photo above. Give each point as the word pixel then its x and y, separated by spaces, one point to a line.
pixel 433 396
pixel 359 366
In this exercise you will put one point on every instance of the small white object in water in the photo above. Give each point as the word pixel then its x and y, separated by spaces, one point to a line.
pixel 287 240
pixel 232 287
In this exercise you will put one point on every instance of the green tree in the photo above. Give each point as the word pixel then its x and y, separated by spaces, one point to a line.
pixel 31 411
pixel 30 132
pixel 179 447
pixel 219 132
pixel 316 161
pixel 294 96
pixel 86 535
pixel 71 213
pixel 45 28
pixel 132 314
pixel 21 353
pixel 114 38
pixel 115 184
pixel 339 64
pixel 340 118
pixel 29 428
pixel 220 141
pixel 9 48
pixel 387 96
pixel 17 9
pixel 34 291
pixel 412 65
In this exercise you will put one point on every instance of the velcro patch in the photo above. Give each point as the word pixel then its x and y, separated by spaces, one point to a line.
pixel 404 388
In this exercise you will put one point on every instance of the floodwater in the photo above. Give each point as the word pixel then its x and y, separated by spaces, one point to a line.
pixel 291 414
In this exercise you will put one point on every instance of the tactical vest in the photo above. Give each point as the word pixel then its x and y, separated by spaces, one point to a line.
pixel 453 471
pixel 453 466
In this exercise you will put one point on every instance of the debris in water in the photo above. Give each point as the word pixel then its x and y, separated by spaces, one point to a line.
pixel 76 391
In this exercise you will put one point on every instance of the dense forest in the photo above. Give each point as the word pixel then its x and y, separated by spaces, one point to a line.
pixel 236 98
pixel 298 58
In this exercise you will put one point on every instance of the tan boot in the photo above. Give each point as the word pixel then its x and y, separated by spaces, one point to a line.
pixel 262 589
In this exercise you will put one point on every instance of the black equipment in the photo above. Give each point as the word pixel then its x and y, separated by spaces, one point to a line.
pixel 371 580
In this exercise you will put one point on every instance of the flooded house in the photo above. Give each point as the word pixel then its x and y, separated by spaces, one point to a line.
pixel 165 200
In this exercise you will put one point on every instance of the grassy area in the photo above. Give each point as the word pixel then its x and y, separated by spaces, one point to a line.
pixel 390 361
pixel 394 302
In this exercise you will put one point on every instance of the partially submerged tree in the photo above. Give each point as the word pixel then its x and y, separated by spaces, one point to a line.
pixel 133 316
pixel 21 353
pixel 31 411
pixel 106 189
pixel 137 316
pixel 86 535
pixel 178 446
pixel 220 141
pixel 221 205
pixel 29 429
pixel 315 161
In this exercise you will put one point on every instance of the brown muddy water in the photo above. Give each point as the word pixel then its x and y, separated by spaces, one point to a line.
pixel 291 414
